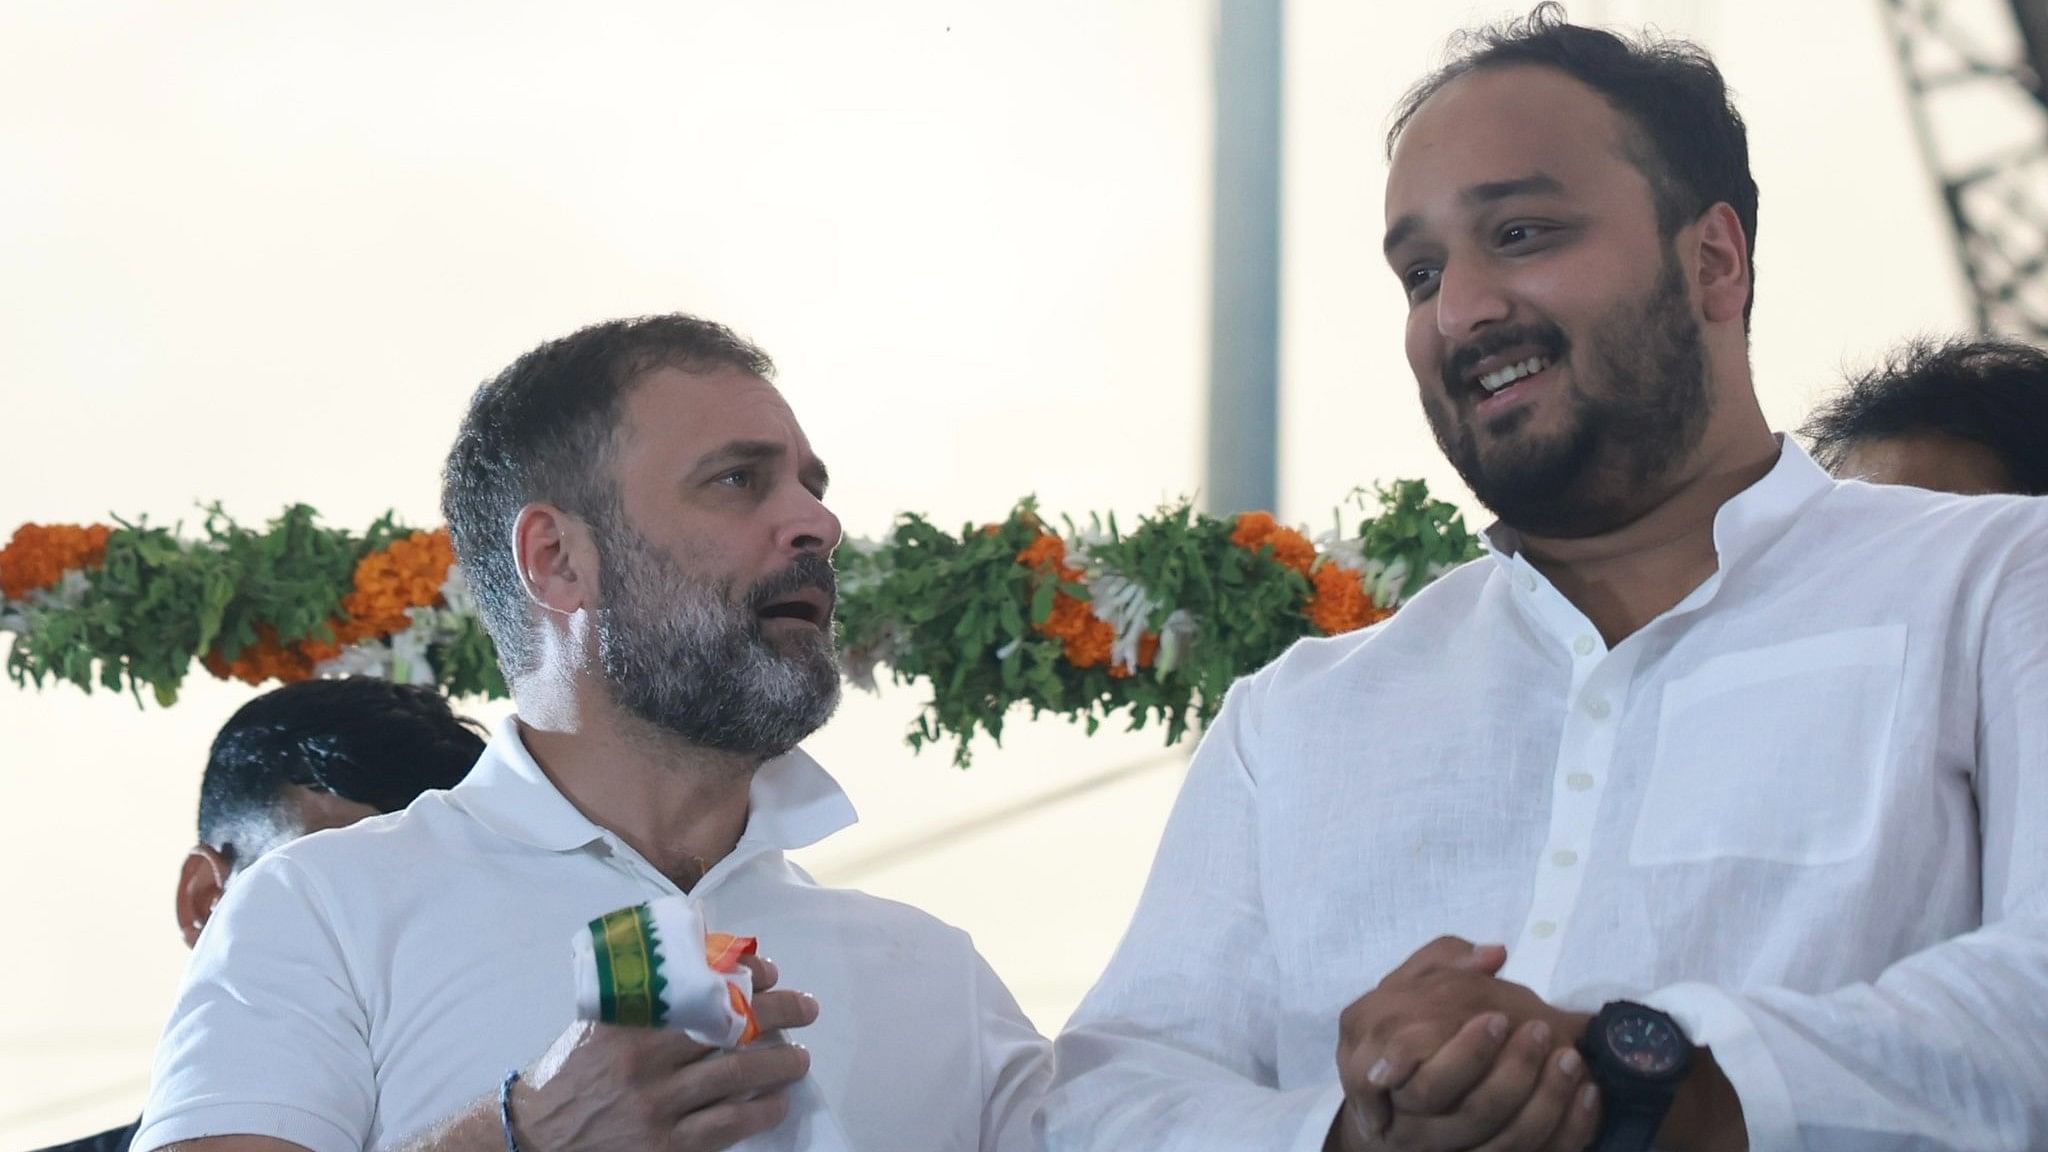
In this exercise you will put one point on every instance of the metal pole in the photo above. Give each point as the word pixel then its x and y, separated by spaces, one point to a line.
pixel 1244 302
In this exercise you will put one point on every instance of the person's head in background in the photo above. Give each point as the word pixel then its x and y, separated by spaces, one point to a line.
pixel 1962 415
pixel 311 756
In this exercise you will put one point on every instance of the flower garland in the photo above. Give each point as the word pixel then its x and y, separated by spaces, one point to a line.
pixel 1013 613
pixel 129 606
pixel 1154 623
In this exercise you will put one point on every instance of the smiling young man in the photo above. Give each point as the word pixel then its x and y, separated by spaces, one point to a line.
pixel 1702 813
pixel 643 523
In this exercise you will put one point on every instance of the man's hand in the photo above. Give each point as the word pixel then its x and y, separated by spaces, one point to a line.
pixel 1443 1055
pixel 603 1088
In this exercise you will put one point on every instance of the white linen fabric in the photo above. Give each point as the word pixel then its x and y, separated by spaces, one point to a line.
pixel 1805 811
pixel 357 986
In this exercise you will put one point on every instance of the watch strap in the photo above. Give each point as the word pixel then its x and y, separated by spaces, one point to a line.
pixel 1631 1126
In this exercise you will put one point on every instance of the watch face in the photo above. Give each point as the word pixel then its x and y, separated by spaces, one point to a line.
pixel 1647 1044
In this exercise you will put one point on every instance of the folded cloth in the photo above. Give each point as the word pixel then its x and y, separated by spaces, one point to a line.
pixel 655 966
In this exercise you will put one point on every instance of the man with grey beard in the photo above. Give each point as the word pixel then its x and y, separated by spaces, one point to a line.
pixel 643 524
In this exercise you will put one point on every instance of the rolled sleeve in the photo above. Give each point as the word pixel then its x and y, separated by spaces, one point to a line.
pixel 1715 1020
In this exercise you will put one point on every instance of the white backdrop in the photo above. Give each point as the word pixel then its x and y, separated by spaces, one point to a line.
pixel 261 254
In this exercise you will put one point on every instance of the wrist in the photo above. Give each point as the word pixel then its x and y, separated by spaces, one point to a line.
pixel 1706 1114
pixel 515 1107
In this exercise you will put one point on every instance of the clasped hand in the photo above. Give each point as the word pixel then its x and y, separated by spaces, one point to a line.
pixel 1444 1056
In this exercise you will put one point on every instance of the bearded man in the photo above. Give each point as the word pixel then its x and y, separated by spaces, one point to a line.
pixel 1704 813
pixel 643 523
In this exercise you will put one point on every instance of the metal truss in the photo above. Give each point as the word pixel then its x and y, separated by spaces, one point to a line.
pixel 1974 73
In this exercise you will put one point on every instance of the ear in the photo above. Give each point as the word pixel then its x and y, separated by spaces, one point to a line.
pixel 556 557
pixel 1722 249
pixel 200 883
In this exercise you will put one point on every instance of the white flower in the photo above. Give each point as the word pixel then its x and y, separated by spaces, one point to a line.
pixel 1123 604
pixel 1346 550
pixel 864 576
pixel 409 663
pixel 456 598
pixel 859 664
pixel 68 592
pixel 1176 636
pixel 1385 581
pixel 365 658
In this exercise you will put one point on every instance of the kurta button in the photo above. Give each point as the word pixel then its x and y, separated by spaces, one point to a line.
pixel 1543 929
pixel 1583 645
pixel 1597 708
pixel 1579 781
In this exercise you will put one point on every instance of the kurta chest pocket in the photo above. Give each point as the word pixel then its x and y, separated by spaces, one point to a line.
pixel 1776 753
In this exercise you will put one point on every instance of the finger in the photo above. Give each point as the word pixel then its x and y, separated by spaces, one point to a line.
pixel 664 1047
pixel 1487 958
pixel 1543 1117
pixel 1363 1067
pixel 1488 1108
pixel 1438 953
pixel 1455 1069
pixel 764 970
pixel 1450 952
pixel 740 1075
pixel 722 1125
pixel 1581 1123
pixel 774 1011
pixel 1368 1117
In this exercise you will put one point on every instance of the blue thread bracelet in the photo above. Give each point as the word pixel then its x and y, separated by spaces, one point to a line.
pixel 505 1108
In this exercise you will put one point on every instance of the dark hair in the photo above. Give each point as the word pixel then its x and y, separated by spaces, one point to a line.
pixel 362 739
pixel 1988 392
pixel 1691 145
pixel 543 431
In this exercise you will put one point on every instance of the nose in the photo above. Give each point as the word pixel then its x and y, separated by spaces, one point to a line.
pixel 810 526
pixel 1468 298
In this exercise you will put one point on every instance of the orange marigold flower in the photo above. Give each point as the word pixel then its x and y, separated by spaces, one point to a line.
pixel 262 661
pixel 408 574
pixel 1087 637
pixel 1339 602
pixel 40 554
pixel 1148 650
pixel 1070 617
pixel 1255 530
pixel 1090 646
pixel 1047 553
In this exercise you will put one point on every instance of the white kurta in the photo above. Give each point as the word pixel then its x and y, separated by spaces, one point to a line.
pixel 358 986
pixel 1806 811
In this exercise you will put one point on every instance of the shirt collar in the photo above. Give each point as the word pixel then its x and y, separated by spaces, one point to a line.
pixel 792 803
pixel 1748 523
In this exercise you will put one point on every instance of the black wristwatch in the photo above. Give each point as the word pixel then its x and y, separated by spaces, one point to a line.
pixel 1638 1056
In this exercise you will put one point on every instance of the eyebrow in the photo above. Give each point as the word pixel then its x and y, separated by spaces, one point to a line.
pixel 813 473
pixel 1491 192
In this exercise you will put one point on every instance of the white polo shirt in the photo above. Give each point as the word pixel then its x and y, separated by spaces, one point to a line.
pixel 357 986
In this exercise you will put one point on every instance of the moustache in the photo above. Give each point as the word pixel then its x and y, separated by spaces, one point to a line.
pixel 1459 364
pixel 806 571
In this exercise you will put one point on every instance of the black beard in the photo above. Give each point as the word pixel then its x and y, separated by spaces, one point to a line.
pixel 684 657
pixel 1640 407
